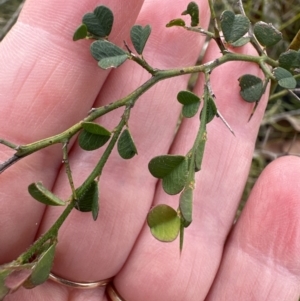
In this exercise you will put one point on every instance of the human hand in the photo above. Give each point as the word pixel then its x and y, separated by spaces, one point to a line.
pixel 49 83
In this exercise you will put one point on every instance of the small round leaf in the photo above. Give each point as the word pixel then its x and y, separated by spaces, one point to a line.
pixel 251 87
pixel 100 22
pixel 39 192
pixel 190 101
pixel 266 34
pixel 193 11
pixel 289 59
pixel 234 26
pixel 211 110
pixel 139 36
pixel 88 201
pixel 187 98
pixel 126 146
pixel 172 169
pixel 186 205
pixel 164 223
pixel 108 54
pixel 93 136
pixel 285 78
pixel 176 22
pixel 80 33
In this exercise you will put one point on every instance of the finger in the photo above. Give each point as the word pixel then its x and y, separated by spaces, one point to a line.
pixel 126 187
pixel 261 258
pixel 48 83
pixel 157 270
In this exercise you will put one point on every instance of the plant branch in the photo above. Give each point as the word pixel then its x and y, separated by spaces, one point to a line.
pixel 50 234
pixel 68 169
pixel 97 171
pixel 25 150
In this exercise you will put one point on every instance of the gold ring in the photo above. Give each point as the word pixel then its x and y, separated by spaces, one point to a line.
pixel 79 285
pixel 112 293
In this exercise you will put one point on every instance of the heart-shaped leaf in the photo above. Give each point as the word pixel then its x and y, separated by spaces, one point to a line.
pixel 80 33
pixel 93 136
pixel 266 34
pixel 139 36
pixel 289 59
pixel 176 22
pixel 211 110
pixel 285 78
pixel 190 102
pixel 164 223
pixel 108 54
pixel 193 11
pixel 126 146
pixel 173 171
pixel 186 205
pixel 41 270
pixel 251 87
pixel 39 192
pixel 234 26
pixel 89 200
pixel 100 22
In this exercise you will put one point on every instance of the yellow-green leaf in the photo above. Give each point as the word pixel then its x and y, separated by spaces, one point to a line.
pixel 164 223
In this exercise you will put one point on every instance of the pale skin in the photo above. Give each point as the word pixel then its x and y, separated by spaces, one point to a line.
pixel 48 83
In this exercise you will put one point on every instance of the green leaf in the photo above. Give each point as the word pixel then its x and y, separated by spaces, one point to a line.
pixel 289 59
pixel 100 22
pixel 200 152
pixel 40 193
pixel 95 204
pixel 285 78
pixel 186 205
pixel 176 22
pixel 108 54
pixel 4 290
pixel 126 146
pixel 93 136
pixel 139 36
pixel 241 42
pixel 172 169
pixel 80 33
pixel 41 270
pixel 95 128
pixel 234 26
pixel 193 11
pixel 190 102
pixel 164 223
pixel 251 87
pixel 181 235
pixel 211 110
pixel 266 34
pixel 88 201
